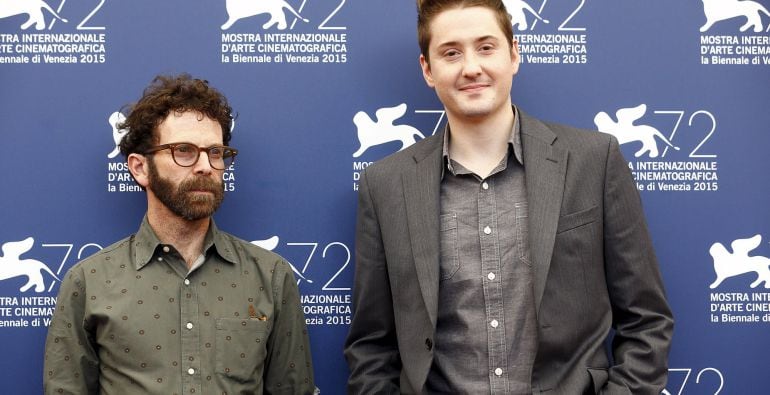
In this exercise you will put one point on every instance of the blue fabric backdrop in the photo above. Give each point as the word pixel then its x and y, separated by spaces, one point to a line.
pixel 651 72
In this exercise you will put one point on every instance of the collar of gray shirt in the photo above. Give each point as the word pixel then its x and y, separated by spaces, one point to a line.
pixel 514 144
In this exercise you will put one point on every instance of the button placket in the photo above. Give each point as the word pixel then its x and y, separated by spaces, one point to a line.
pixel 491 264
pixel 190 335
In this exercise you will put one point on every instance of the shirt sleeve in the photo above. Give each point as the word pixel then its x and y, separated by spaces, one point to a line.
pixel 71 364
pixel 289 367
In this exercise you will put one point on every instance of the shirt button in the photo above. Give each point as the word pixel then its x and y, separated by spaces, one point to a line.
pixel 494 323
pixel 191 371
pixel 498 372
pixel 485 185
pixel 189 325
pixel 166 249
pixel 186 281
pixel 487 230
pixel 491 276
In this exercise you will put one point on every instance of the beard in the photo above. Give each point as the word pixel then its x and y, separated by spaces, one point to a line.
pixel 180 199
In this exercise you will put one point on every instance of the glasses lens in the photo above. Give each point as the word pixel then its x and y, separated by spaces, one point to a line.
pixel 228 156
pixel 216 152
pixel 216 158
pixel 185 154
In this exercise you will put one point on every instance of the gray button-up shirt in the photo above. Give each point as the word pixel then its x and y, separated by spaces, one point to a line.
pixel 486 335
pixel 133 320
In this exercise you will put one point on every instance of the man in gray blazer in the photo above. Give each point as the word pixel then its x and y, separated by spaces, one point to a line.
pixel 505 255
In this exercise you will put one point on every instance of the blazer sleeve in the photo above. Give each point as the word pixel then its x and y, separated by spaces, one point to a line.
pixel 642 319
pixel 371 347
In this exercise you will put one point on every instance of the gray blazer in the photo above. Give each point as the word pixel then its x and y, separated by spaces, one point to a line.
pixel 594 269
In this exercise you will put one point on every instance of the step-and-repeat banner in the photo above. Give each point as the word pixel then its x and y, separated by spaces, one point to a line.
pixel 325 87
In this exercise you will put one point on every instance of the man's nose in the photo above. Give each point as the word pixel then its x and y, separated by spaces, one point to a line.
pixel 203 166
pixel 471 65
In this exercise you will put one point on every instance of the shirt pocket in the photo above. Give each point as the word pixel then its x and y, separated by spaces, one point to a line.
pixel 450 259
pixel 522 231
pixel 240 348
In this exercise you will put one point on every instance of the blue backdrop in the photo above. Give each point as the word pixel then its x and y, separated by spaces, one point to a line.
pixel 658 74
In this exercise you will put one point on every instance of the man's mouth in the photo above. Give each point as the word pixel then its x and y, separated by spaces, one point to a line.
pixel 472 88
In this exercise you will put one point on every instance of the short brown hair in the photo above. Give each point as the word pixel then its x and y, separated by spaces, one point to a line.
pixel 427 10
pixel 179 93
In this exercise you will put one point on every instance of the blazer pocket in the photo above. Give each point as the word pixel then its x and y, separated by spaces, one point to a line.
pixel 577 219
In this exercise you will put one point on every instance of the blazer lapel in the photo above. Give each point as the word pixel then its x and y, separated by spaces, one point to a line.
pixel 545 166
pixel 422 187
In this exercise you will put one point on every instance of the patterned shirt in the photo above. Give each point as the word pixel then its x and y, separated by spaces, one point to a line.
pixel 486 332
pixel 132 319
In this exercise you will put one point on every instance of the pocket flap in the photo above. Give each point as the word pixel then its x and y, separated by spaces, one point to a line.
pixel 578 218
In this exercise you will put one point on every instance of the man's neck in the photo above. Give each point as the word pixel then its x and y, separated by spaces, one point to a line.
pixel 186 236
pixel 480 145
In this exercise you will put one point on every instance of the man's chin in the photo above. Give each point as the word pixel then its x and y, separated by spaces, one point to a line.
pixel 474 108
pixel 195 215
pixel 200 198
pixel 475 113
pixel 199 207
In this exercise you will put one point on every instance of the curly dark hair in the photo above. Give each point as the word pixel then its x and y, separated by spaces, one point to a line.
pixel 179 93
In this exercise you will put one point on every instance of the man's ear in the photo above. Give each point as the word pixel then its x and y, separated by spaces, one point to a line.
pixel 139 168
pixel 515 56
pixel 425 65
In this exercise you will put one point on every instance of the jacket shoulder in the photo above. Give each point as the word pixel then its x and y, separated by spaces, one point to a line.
pixel 574 139
pixel 399 161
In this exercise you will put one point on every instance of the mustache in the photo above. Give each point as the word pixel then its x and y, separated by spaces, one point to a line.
pixel 201 184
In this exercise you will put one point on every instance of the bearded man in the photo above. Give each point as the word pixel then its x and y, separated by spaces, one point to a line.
pixel 180 306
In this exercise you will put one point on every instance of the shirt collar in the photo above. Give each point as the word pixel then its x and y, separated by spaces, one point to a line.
pixel 514 143
pixel 146 244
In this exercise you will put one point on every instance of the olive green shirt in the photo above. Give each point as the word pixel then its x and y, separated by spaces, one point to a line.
pixel 131 319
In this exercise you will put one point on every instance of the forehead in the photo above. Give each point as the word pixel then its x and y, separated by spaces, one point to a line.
pixel 189 126
pixel 464 24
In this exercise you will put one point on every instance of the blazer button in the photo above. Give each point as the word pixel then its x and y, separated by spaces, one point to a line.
pixel 428 344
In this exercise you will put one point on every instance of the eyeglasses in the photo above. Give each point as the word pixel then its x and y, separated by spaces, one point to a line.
pixel 187 154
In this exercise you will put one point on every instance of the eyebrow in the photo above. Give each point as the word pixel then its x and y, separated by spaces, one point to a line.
pixel 476 41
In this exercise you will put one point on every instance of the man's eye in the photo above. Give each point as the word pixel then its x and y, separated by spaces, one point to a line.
pixel 215 152
pixel 184 148
pixel 451 54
